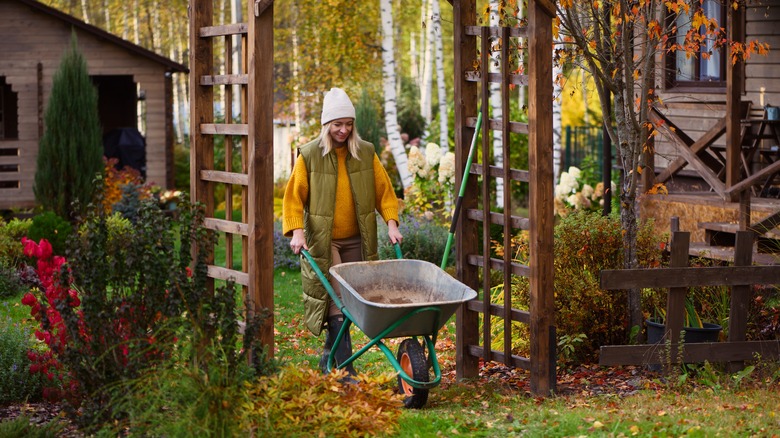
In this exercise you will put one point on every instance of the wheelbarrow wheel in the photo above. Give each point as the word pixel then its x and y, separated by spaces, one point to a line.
pixel 411 357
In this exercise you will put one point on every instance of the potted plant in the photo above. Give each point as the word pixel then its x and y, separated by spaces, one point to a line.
pixel 695 330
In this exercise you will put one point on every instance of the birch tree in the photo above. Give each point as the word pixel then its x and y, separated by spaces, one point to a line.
pixel 496 110
pixel 444 135
pixel 388 85
pixel 426 85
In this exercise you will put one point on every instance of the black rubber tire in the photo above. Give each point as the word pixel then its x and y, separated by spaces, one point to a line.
pixel 411 357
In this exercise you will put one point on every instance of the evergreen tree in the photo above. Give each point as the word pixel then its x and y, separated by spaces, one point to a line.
pixel 71 150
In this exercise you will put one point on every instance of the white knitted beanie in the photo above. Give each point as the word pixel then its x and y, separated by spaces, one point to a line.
pixel 336 105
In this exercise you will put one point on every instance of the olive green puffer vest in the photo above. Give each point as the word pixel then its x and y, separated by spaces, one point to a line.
pixel 318 220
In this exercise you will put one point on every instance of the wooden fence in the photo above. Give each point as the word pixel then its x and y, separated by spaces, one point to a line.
pixel 678 278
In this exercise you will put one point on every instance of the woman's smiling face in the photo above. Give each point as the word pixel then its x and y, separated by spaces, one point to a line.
pixel 340 129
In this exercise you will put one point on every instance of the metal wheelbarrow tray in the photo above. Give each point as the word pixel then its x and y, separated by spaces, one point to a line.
pixel 378 294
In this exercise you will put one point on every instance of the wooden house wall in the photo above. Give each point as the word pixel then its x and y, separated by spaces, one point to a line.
pixel 695 113
pixel 30 37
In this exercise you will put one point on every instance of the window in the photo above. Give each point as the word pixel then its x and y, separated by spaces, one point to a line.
pixel 9 119
pixel 705 69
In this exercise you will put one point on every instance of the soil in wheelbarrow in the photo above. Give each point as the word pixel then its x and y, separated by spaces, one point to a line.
pixel 393 296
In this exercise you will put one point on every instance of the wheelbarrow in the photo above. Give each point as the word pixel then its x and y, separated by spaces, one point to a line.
pixel 395 299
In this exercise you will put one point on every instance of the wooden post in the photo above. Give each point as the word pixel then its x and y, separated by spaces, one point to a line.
pixel 260 49
pixel 675 304
pixel 735 78
pixel 740 294
pixel 201 111
pixel 540 163
pixel 467 242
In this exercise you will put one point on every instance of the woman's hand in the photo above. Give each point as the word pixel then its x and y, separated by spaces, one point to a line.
pixel 298 241
pixel 392 231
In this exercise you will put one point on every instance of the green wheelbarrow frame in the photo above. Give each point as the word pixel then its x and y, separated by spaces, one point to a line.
pixel 430 340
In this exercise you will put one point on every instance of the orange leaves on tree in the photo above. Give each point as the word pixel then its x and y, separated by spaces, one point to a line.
pixel 115 180
pixel 658 189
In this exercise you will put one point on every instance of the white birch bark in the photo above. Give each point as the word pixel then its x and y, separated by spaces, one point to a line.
pixel 427 81
pixel 496 113
pixel 521 59
pixel 557 124
pixel 136 23
pixel 388 79
pixel 237 16
pixel 107 16
pixel 84 11
pixel 444 135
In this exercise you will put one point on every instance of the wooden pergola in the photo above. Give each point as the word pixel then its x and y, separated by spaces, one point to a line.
pixel 254 127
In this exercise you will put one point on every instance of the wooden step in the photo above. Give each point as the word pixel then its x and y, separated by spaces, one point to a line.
pixel 726 254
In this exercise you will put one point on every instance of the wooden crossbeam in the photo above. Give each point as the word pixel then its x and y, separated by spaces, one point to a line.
pixel 683 143
pixel 224 30
pixel 683 277
pixel 691 352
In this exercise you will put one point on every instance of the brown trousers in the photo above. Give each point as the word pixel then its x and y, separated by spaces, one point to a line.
pixel 343 251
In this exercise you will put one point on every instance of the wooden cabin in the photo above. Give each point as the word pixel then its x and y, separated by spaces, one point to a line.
pixel 134 88
pixel 721 142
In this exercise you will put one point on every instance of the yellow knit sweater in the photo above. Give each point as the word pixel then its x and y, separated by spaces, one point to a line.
pixel 344 217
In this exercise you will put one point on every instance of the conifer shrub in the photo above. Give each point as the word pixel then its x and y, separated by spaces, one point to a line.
pixel 71 150
pixel 52 227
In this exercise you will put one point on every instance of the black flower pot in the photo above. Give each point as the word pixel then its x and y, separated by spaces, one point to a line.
pixel 709 333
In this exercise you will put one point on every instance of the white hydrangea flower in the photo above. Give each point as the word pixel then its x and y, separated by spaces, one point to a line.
pixel 447 168
pixel 587 191
pixel 432 154
pixel 574 200
pixel 569 183
pixel 416 161
pixel 574 171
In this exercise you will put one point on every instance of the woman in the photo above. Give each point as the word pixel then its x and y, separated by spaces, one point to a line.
pixel 330 204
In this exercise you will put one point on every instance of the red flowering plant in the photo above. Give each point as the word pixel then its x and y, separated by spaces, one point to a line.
pixel 54 293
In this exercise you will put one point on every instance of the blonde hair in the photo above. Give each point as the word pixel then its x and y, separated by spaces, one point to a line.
pixel 326 141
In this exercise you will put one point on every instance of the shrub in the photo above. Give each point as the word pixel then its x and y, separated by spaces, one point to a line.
pixel 71 149
pixel 423 240
pixel 303 402
pixel 585 244
pixel 198 390
pixel 11 234
pixel 52 227
pixel 112 313
pixel 16 382
pixel 284 257
pixel 11 283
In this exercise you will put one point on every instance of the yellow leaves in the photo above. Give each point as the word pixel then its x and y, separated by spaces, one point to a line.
pixel 592 44
pixel 303 402
pixel 735 5
pixel 634 430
